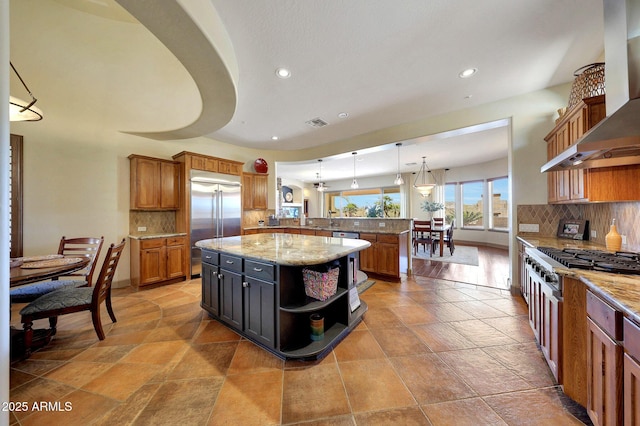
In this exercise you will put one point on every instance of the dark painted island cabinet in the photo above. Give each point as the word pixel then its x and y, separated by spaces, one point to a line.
pixel 266 303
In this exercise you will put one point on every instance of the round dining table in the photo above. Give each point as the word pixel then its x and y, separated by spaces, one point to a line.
pixel 28 273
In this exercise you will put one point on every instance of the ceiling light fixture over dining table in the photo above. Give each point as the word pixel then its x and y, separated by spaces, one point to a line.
pixel 421 184
pixel 20 110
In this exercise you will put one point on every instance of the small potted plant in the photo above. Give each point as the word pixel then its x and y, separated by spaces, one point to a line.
pixel 431 207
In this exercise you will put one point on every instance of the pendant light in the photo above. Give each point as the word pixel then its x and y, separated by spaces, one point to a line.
pixel 20 110
pixel 423 187
pixel 399 180
pixel 354 184
pixel 321 187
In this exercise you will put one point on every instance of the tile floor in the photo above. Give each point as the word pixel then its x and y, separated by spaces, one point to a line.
pixel 429 352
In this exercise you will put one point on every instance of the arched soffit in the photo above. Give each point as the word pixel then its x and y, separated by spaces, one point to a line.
pixel 194 33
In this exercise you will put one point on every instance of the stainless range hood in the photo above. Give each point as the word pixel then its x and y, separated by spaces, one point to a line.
pixel 615 141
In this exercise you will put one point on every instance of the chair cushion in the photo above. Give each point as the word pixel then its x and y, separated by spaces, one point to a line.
pixel 59 299
pixel 27 293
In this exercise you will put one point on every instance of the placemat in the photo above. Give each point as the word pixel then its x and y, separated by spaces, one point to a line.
pixel 39 258
pixel 51 263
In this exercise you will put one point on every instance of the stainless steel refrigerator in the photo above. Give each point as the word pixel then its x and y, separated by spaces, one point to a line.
pixel 215 210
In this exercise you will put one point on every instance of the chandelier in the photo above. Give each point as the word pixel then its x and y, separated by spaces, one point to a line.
pixel 20 110
pixel 423 187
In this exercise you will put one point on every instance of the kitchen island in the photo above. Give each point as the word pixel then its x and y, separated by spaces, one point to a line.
pixel 254 284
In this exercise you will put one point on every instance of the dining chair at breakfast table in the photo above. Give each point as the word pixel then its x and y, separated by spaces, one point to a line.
pixel 74 299
pixel 82 247
pixel 37 269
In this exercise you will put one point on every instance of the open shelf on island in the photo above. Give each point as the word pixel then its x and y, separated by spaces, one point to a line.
pixel 314 304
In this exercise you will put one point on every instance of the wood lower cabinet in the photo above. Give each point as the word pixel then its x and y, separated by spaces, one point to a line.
pixel 551 329
pixel 154 183
pixel 387 256
pixel 574 340
pixel 604 362
pixel 631 333
pixel 157 260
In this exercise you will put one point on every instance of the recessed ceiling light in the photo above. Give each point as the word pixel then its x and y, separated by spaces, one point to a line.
pixel 274 138
pixel 468 97
pixel 468 72
pixel 343 115
pixel 283 73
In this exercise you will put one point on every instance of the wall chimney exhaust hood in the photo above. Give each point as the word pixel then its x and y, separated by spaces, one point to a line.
pixel 615 141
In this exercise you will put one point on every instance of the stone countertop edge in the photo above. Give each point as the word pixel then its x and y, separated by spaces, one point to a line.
pixel 619 290
pixel 150 236
pixel 324 228
pixel 286 249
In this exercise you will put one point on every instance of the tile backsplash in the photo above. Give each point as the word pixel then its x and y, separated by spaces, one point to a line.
pixel 156 222
pixel 599 215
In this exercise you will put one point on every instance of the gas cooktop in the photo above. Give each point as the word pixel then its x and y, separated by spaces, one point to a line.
pixel 597 260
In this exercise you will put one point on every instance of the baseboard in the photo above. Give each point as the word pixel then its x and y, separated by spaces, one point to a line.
pixel 480 244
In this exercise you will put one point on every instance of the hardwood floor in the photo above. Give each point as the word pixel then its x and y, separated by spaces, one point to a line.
pixel 492 271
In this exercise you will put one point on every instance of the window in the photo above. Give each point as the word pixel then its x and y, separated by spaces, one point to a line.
pixel 499 206
pixel 472 205
pixel 450 202
pixel 375 202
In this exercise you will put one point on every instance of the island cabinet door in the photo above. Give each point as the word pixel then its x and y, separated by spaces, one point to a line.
pixel 210 289
pixel 260 311
pixel 231 298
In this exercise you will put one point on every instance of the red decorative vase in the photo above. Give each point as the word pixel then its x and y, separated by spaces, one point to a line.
pixel 261 166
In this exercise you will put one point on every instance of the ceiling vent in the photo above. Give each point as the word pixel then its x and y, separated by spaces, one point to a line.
pixel 316 122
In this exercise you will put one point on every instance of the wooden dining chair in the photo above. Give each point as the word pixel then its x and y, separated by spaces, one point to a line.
pixel 421 234
pixel 437 222
pixel 448 239
pixel 69 247
pixel 74 299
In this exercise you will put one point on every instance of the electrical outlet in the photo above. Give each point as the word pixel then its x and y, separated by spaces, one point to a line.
pixel 624 240
pixel 528 227
pixel 356 223
pixel 594 234
pixel 310 222
pixel 382 224
pixel 142 228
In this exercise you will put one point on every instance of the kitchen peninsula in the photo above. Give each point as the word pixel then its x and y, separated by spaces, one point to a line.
pixel 254 284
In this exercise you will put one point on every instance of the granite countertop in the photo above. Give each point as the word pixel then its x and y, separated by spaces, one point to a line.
pixel 286 249
pixel 149 236
pixel 621 291
pixel 357 229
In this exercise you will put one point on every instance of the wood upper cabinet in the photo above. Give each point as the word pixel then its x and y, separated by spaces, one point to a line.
pixel 572 185
pixel 254 191
pixel 208 163
pixel 154 183
pixel 603 184
pixel 155 260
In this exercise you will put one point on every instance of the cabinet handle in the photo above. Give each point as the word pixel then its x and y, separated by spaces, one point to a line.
pixel 230 262
pixel 220 276
pixel 257 269
pixel 245 284
pixel 207 257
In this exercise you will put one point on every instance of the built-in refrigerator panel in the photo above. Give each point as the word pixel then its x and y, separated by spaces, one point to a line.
pixel 215 210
